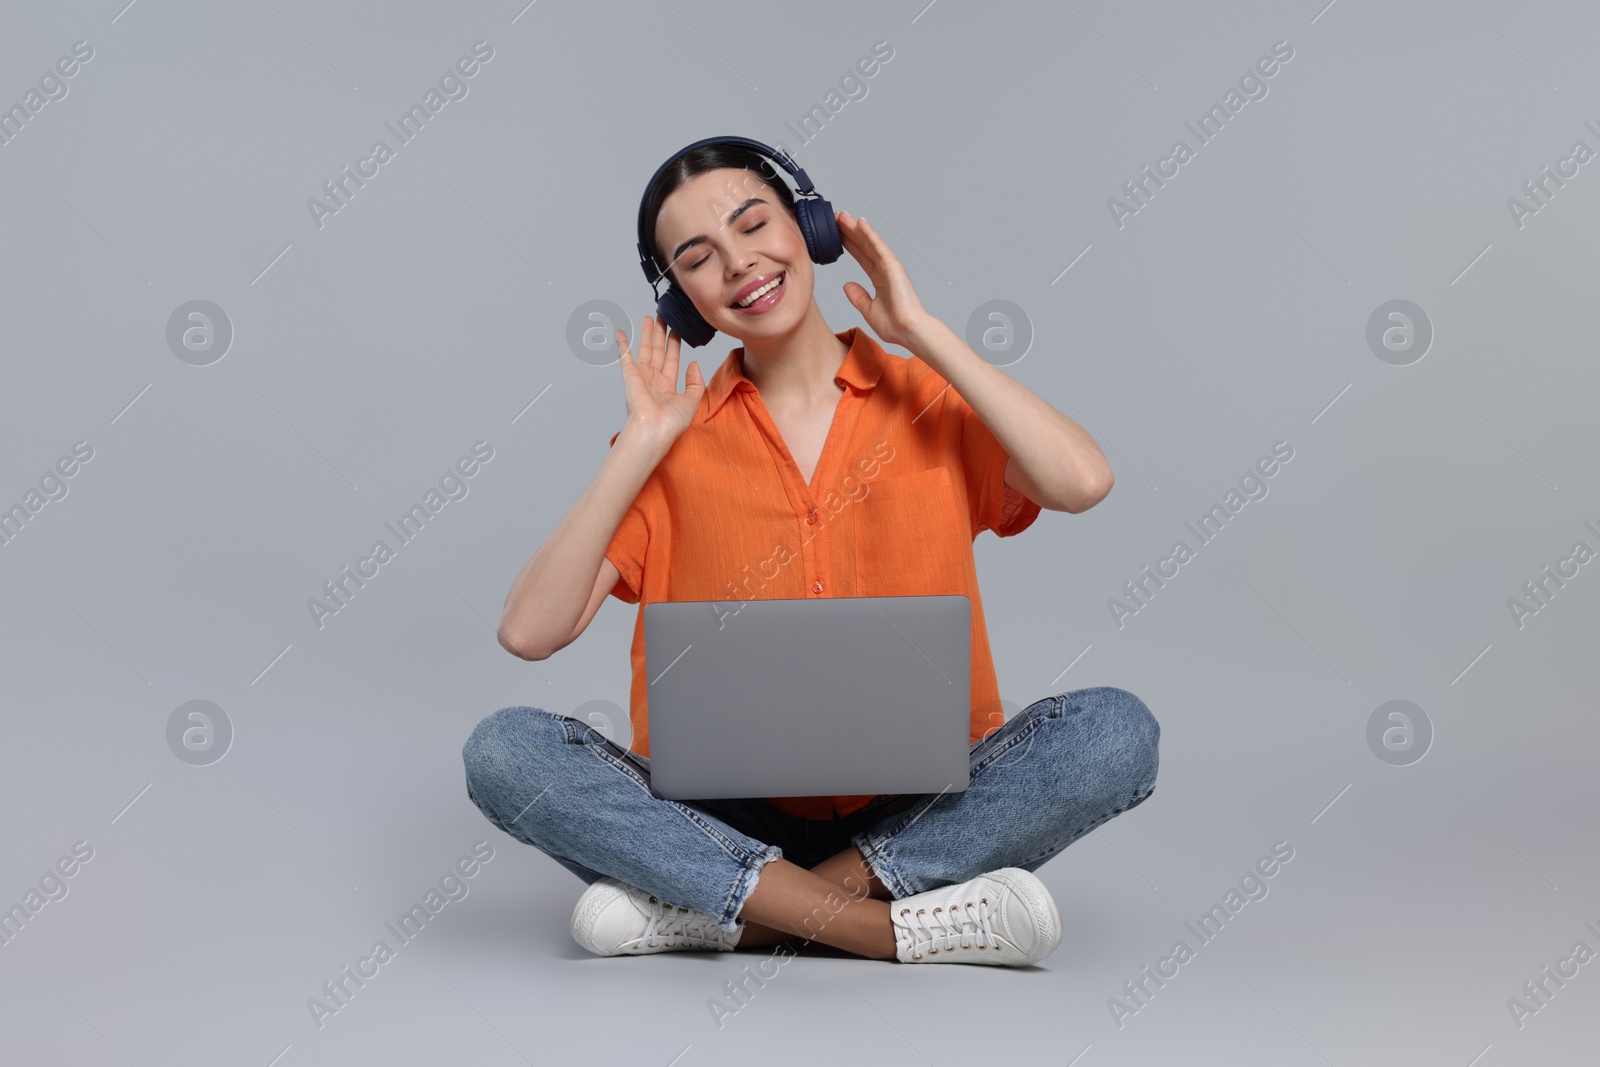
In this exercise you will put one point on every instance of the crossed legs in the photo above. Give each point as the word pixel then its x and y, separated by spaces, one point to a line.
pixel 1052 773
pixel 790 901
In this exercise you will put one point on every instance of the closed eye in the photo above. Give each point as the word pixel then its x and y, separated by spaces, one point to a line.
pixel 752 229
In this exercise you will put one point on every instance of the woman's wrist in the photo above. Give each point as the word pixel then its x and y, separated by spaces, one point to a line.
pixel 646 435
pixel 924 335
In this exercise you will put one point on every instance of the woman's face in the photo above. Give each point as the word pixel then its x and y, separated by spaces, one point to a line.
pixel 726 234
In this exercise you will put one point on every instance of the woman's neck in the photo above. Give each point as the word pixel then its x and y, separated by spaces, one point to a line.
pixel 796 370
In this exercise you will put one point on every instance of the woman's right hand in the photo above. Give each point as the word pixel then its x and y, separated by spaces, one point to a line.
pixel 650 380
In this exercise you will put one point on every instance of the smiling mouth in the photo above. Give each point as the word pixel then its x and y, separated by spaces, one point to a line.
pixel 762 293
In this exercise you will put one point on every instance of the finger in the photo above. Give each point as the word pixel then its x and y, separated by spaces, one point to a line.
pixel 858 251
pixel 858 296
pixel 863 229
pixel 864 252
pixel 647 357
pixel 658 339
pixel 847 227
pixel 671 348
pixel 879 245
pixel 872 239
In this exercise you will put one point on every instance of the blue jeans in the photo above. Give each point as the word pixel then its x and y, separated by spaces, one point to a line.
pixel 1058 769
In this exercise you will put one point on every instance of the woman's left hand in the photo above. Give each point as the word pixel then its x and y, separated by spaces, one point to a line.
pixel 893 311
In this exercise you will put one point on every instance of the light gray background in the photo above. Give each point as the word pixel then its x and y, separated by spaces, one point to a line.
pixel 370 354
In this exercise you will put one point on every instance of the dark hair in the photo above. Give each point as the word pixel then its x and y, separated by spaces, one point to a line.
pixel 690 164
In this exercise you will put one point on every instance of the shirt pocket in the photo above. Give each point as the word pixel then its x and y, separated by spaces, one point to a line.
pixel 910 537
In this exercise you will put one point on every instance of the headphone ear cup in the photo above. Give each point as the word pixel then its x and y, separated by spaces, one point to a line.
pixel 820 229
pixel 683 318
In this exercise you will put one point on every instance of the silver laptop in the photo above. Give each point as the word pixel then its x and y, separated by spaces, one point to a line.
pixel 809 697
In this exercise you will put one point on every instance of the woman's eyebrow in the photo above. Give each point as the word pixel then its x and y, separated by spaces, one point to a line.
pixel 701 239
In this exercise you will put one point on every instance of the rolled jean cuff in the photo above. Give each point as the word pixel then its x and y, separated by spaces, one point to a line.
pixel 730 921
pixel 881 865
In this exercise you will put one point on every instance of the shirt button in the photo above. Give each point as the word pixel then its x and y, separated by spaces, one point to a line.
pixel 816 587
pixel 812 517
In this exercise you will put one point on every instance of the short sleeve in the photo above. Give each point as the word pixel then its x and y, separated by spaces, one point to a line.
pixel 627 549
pixel 995 505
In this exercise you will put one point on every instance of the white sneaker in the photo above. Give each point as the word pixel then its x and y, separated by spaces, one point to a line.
pixel 616 919
pixel 1005 917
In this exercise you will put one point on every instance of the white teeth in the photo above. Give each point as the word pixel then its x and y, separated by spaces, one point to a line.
pixel 761 292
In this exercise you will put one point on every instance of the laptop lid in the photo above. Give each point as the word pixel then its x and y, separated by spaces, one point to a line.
pixel 809 697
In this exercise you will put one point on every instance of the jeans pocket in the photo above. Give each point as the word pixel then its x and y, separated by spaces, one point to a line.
pixel 572 729
pixel 1012 743
pixel 609 753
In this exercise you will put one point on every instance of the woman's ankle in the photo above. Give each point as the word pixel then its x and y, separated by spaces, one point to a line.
pixel 757 936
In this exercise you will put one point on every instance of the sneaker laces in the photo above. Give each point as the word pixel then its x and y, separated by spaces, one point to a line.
pixel 671 924
pixel 967 920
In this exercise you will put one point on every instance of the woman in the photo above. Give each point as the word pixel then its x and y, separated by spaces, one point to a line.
pixel 698 488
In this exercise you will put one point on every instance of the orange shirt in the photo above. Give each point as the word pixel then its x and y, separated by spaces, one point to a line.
pixel 908 477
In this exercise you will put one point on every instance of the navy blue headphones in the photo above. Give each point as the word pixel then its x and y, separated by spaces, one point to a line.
pixel 816 220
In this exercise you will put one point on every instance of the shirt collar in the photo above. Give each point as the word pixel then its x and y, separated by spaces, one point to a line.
pixel 862 366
